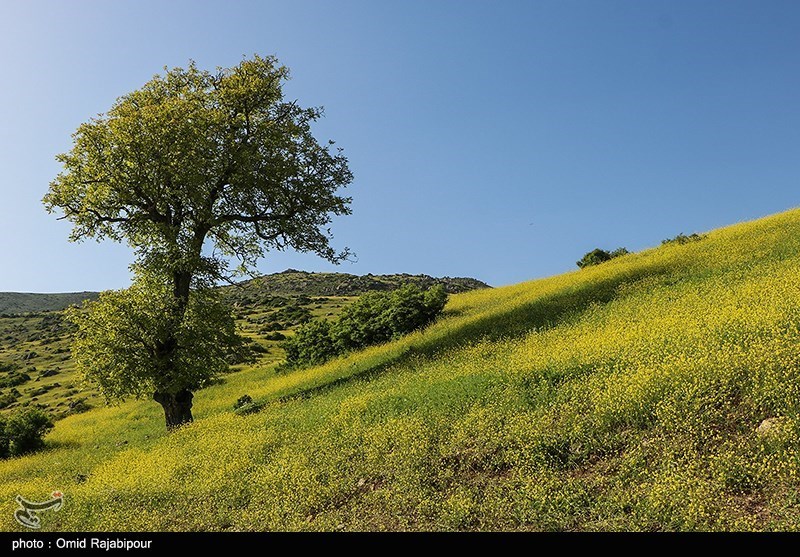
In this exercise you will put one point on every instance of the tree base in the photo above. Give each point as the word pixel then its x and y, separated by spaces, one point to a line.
pixel 177 407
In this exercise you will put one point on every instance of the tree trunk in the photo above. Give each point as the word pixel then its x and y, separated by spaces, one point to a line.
pixel 177 407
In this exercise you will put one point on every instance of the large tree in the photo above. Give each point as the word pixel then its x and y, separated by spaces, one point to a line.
pixel 191 161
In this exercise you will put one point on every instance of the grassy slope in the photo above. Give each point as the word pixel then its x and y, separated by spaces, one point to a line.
pixel 37 344
pixel 21 302
pixel 624 396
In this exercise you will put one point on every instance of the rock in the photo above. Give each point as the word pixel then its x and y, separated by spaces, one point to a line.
pixel 769 426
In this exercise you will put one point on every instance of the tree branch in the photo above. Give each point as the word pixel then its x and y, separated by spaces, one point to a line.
pixel 261 217
pixel 264 236
pixel 70 211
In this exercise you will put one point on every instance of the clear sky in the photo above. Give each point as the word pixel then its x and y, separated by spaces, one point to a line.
pixel 495 139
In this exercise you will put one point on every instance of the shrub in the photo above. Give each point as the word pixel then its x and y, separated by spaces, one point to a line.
pixel 7 399
pixel 382 316
pixel 244 399
pixel 15 379
pixel 597 256
pixel 594 257
pixel 292 314
pixel 26 430
pixel 374 318
pixel 364 323
pixel 78 406
pixel 682 239
pixel 4 440
pixel 245 405
pixel 312 344
pixel 411 308
pixel 250 408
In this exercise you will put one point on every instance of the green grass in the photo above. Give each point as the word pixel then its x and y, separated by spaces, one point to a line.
pixel 626 396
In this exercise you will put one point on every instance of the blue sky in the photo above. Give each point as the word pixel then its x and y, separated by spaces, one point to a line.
pixel 500 140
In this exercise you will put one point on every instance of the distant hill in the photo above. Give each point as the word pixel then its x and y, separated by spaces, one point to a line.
pixel 287 283
pixel 301 283
pixel 14 303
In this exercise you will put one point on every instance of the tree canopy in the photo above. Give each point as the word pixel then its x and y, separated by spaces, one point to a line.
pixel 196 155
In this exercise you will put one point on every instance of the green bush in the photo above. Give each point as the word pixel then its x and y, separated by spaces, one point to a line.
pixel 7 399
pixel 594 257
pixel 244 399
pixel 79 406
pixel 5 447
pixel 312 344
pixel 374 318
pixel 382 316
pixel 14 379
pixel 364 323
pixel 411 308
pixel 291 314
pixel 597 256
pixel 682 239
pixel 26 430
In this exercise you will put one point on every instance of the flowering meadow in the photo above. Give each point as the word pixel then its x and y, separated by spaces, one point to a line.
pixel 656 391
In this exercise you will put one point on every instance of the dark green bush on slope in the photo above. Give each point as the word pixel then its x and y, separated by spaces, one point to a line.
pixel 311 345
pixel 23 432
pixel 682 239
pixel 374 318
pixel 5 442
pixel 597 256
pixel 379 317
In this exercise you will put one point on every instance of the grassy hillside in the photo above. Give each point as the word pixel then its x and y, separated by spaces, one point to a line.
pixel 35 363
pixel 657 391
pixel 14 303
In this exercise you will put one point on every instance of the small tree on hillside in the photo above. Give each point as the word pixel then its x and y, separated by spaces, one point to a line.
pixel 192 158
pixel 597 256
pixel 128 344
pixel 25 430
pixel 594 257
